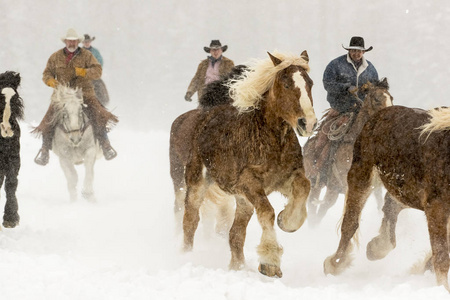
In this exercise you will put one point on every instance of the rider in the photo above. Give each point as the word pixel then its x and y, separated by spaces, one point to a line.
pixel 209 69
pixel 75 67
pixel 341 79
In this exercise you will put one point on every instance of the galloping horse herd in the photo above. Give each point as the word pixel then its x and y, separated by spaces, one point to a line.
pixel 241 145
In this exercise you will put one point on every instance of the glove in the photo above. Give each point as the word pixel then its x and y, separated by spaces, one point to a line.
pixel 52 82
pixel 80 72
pixel 188 96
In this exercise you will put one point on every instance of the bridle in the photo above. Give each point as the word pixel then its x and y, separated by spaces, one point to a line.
pixel 83 123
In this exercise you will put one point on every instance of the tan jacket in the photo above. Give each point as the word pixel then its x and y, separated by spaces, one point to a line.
pixel 198 82
pixel 64 73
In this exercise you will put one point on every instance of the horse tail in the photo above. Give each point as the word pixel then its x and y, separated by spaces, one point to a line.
pixel 439 121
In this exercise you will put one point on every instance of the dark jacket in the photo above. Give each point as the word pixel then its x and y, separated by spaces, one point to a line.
pixel 198 82
pixel 339 75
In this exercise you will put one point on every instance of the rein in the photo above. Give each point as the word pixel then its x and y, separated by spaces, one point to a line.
pixel 84 125
pixel 337 131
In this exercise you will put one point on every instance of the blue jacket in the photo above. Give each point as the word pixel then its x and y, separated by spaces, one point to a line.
pixel 96 54
pixel 339 75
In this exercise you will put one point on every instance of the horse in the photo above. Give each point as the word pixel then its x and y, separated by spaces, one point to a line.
pixel 181 135
pixel 409 149
pixel 333 174
pixel 12 108
pixel 250 149
pixel 74 142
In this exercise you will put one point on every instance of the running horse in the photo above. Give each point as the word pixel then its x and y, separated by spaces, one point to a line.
pixel 410 151
pixel 333 174
pixel 11 107
pixel 250 149
pixel 213 212
pixel 74 141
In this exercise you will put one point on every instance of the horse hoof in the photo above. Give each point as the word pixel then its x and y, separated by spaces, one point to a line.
pixel 10 224
pixel 281 224
pixel 270 270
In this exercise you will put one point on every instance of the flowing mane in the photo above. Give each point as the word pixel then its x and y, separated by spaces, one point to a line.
pixel 440 120
pixel 247 90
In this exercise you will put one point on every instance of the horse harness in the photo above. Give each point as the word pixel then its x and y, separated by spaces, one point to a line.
pixel 85 123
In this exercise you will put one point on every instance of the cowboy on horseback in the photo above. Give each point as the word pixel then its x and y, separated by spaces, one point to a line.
pixel 342 78
pixel 75 67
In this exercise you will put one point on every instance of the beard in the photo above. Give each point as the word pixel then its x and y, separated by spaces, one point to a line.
pixel 72 49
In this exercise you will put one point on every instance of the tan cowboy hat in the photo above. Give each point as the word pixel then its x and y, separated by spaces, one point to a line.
pixel 215 44
pixel 72 35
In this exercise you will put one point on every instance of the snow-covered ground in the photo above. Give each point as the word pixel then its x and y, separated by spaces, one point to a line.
pixel 125 246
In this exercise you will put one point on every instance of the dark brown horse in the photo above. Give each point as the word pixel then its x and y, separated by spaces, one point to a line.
pixel 333 173
pixel 181 137
pixel 250 150
pixel 410 150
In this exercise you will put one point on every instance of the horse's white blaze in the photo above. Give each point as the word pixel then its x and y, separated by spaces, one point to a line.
pixel 388 100
pixel 6 130
pixel 305 102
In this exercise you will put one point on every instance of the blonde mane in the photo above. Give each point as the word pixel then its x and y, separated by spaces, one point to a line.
pixel 247 90
pixel 440 120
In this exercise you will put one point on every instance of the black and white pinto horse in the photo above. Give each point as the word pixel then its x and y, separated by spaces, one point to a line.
pixel 74 142
pixel 11 107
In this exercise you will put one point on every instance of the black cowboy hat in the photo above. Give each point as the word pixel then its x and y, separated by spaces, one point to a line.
pixel 357 43
pixel 87 38
pixel 215 44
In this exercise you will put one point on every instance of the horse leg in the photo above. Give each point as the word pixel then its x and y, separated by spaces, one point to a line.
pixel 88 184
pixel 437 218
pixel 269 250
pixel 225 215
pixel 11 217
pixel 329 200
pixel 385 242
pixel 292 217
pixel 71 177
pixel 195 192
pixel 238 231
pixel 359 185
pixel 314 201
pixel 179 185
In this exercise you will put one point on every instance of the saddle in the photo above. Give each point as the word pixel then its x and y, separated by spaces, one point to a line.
pixel 331 134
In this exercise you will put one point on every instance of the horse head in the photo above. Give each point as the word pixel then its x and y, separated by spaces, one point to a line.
pixel 70 116
pixel 377 95
pixel 292 99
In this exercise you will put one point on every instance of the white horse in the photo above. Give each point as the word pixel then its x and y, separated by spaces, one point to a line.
pixel 74 141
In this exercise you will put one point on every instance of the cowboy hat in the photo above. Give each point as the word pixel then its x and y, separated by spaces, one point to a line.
pixel 72 35
pixel 215 44
pixel 357 43
pixel 87 38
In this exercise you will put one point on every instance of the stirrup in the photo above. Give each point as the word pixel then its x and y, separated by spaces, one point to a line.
pixel 42 157
pixel 109 153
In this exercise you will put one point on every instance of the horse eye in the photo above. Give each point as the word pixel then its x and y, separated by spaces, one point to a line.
pixel 286 85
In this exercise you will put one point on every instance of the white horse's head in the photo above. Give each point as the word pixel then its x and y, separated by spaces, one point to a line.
pixel 5 126
pixel 70 117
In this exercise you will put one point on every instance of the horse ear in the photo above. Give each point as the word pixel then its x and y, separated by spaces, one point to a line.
pixel 305 55
pixel 365 87
pixel 276 61
pixel 385 83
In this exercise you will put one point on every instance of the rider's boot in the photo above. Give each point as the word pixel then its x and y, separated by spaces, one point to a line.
pixel 108 151
pixel 43 155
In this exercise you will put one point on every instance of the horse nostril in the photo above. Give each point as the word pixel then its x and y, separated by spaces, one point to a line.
pixel 301 123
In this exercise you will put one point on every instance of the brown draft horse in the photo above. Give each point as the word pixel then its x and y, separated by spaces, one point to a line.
pixel 334 173
pixel 250 149
pixel 181 139
pixel 410 150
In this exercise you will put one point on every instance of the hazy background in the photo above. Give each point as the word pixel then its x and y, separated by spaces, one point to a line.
pixel 152 48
